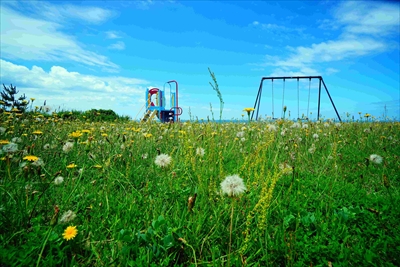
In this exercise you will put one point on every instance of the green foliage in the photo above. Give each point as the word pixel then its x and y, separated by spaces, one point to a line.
pixel 216 88
pixel 329 206
pixel 10 101
pixel 95 115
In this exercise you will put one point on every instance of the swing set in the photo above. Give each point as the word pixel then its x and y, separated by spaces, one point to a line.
pixel 321 82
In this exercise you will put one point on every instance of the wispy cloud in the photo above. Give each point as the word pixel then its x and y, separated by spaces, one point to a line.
pixel 46 41
pixel 113 35
pixel 117 46
pixel 62 12
pixel 363 25
pixel 59 86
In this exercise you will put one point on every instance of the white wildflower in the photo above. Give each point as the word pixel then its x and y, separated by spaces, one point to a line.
pixel 46 146
pixel 233 185
pixel 315 136
pixel 305 126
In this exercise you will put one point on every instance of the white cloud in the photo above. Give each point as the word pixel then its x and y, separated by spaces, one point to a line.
pixel 364 26
pixel 331 71
pixel 113 35
pixel 372 18
pixel 74 90
pixel 28 38
pixel 117 46
pixel 62 12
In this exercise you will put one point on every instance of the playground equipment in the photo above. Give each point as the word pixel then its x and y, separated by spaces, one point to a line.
pixel 321 81
pixel 159 109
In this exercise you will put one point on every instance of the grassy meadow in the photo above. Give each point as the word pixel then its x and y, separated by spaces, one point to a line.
pixel 84 193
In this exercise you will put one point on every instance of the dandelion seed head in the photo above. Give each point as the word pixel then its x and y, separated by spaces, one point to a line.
pixel 233 185
pixel 240 134
pixel 200 151
pixel 67 217
pixel 10 148
pixel 59 180
pixel 376 158
pixel 68 146
pixel 162 160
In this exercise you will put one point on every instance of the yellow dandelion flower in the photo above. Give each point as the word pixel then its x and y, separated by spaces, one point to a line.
pixel 37 132
pixel 104 134
pixel 367 115
pixel 76 134
pixel 71 166
pixel 31 158
pixel 248 110
pixel 4 142
pixel 14 110
pixel 32 99
pixel 70 232
pixel 3 158
pixel 147 135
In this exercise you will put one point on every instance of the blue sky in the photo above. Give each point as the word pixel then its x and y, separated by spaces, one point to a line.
pixel 103 55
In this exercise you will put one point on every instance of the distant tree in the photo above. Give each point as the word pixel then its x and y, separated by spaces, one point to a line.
pixel 9 100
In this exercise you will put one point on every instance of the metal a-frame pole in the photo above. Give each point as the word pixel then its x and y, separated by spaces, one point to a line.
pixel 319 97
pixel 326 89
pixel 258 98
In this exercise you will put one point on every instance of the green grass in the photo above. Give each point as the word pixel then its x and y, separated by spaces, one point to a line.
pixel 333 206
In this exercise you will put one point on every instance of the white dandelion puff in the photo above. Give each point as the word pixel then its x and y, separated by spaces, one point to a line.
pixel 233 185
pixel 240 134
pixel 67 216
pixel 375 158
pixel 162 160
pixel 200 151
pixel 59 180
pixel 68 146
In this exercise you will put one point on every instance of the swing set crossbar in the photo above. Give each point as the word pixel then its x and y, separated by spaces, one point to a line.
pixel 321 82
